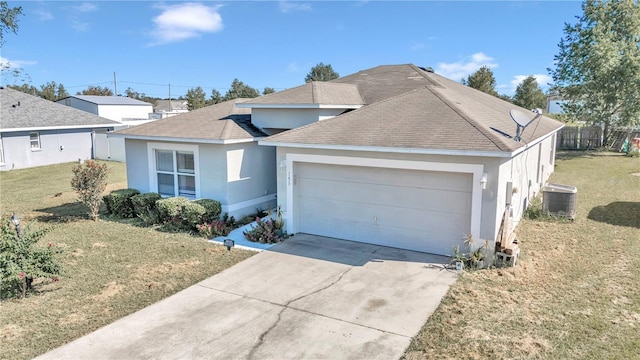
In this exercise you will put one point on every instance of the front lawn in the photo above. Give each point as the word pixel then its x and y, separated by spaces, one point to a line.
pixel 575 293
pixel 111 268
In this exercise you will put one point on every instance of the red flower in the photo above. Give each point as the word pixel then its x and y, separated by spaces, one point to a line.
pixel 54 279
pixel 21 275
pixel 49 245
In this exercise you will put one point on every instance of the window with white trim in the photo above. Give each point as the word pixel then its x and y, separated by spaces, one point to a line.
pixel 34 140
pixel 175 173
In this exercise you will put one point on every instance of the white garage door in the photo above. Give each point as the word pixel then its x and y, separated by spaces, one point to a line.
pixel 410 209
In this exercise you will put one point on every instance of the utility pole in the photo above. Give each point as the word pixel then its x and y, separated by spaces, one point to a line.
pixel 170 104
pixel 115 85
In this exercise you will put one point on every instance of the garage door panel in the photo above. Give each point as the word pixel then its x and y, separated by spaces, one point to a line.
pixel 412 197
pixel 411 209
pixel 372 175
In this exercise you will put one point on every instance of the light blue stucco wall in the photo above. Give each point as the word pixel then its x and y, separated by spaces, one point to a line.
pixel 137 165
pixel 56 146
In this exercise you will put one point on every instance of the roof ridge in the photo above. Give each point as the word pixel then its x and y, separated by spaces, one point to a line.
pixel 468 119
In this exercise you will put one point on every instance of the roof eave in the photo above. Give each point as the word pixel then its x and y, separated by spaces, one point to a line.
pixel 498 154
pixel 298 106
pixel 184 140
pixel 64 127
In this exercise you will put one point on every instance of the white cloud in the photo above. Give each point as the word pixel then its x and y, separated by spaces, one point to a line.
pixel 416 46
pixel 85 7
pixel 461 69
pixel 542 79
pixel 43 15
pixel 185 21
pixel 15 64
pixel 80 26
pixel 290 6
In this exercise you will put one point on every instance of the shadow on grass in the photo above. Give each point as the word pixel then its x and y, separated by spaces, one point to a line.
pixel 623 213
pixel 63 213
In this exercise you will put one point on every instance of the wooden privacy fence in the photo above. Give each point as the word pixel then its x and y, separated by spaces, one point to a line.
pixel 591 137
pixel 579 138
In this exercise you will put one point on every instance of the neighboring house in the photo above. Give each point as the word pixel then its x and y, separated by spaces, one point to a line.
pixel 123 109
pixel 127 111
pixel 167 108
pixel 210 153
pixel 554 105
pixel 394 155
pixel 36 132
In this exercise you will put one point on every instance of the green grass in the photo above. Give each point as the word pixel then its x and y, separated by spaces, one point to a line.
pixel 575 292
pixel 111 268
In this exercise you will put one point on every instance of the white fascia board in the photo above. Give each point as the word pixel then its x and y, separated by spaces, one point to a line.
pixel 298 106
pixel 183 140
pixel 65 127
pixel 498 154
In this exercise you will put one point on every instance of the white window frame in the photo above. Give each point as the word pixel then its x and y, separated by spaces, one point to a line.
pixel 153 172
pixel 38 146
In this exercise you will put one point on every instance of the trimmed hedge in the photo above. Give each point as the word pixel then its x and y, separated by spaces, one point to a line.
pixel 170 209
pixel 213 209
pixel 119 203
pixel 144 203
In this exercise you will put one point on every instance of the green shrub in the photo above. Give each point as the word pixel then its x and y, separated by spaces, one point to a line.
pixel 144 207
pixel 267 232
pixel 119 202
pixel 170 209
pixel 21 261
pixel 192 215
pixel 143 203
pixel 213 208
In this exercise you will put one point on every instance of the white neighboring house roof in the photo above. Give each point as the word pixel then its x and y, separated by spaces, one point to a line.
pixel 23 112
pixel 108 100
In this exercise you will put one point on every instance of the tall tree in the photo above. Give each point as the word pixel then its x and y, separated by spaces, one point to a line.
pixel 25 88
pixel 482 80
pixel 53 91
pixel 268 90
pixel 597 68
pixel 240 90
pixel 321 72
pixel 529 95
pixel 96 90
pixel 196 98
pixel 216 97
pixel 8 19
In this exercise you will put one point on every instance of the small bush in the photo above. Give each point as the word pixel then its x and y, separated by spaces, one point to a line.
pixel 144 207
pixel 89 181
pixel 192 215
pixel 217 228
pixel 21 261
pixel 267 232
pixel 119 203
pixel 170 209
pixel 213 208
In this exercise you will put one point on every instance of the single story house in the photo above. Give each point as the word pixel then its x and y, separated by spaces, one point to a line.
pixel 395 155
pixel 36 132
pixel 168 108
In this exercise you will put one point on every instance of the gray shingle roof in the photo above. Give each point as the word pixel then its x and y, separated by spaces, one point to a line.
pixel 223 121
pixel 170 105
pixel 415 109
pixel 37 113
pixel 110 100
pixel 313 93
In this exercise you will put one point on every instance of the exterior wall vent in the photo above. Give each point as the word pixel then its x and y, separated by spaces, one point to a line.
pixel 559 200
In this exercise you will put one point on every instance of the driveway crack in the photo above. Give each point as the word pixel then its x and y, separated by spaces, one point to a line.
pixel 285 307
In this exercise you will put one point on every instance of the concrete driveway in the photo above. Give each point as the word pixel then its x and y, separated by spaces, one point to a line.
pixel 308 297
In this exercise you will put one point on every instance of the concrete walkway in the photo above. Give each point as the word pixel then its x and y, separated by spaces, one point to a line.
pixel 308 297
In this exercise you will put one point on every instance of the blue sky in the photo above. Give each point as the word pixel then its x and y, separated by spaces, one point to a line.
pixel 151 44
